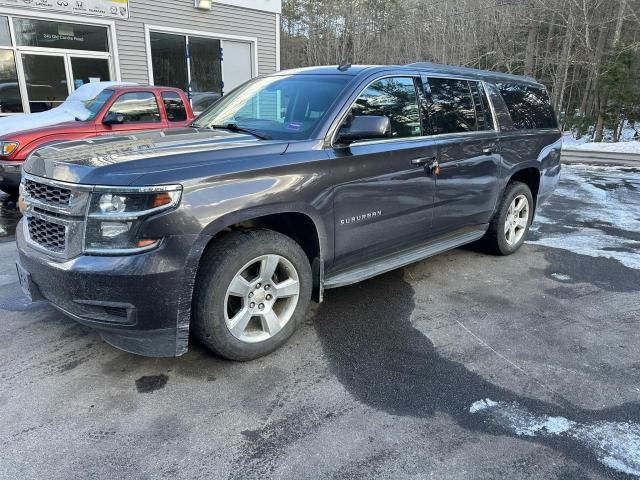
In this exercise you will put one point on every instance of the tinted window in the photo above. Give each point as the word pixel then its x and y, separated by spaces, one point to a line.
pixel 483 109
pixel 451 109
pixel 282 107
pixel 137 107
pixel 10 99
pixel 395 98
pixel 5 37
pixel 46 33
pixel 173 104
pixel 529 106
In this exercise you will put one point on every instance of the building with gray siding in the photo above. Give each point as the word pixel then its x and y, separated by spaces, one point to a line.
pixel 48 48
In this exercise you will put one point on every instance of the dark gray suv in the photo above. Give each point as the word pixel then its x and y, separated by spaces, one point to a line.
pixel 293 183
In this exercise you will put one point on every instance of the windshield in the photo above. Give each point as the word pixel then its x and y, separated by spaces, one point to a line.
pixel 281 107
pixel 95 105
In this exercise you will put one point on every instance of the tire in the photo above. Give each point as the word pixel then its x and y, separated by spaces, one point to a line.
pixel 11 191
pixel 505 241
pixel 230 290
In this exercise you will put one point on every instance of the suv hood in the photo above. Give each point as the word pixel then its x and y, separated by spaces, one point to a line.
pixel 121 159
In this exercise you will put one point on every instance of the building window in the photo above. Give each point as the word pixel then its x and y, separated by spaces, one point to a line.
pixel 206 67
pixel 46 60
pixel 70 36
pixel 168 56
pixel 46 80
pixel 201 69
pixel 5 35
pixel 10 99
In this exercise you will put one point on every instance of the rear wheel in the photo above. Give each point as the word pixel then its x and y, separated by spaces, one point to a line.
pixel 509 228
pixel 252 291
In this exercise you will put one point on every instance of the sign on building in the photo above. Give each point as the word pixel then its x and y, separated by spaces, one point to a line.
pixel 102 8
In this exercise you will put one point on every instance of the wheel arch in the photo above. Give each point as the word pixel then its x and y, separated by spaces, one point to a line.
pixel 530 176
pixel 298 222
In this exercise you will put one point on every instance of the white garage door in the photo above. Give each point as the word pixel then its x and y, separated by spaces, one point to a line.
pixel 237 64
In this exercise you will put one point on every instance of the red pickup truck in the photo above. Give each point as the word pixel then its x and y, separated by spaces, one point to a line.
pixel 116 109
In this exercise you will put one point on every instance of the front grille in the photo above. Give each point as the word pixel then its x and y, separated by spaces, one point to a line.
pixel 56 196
pixel 47 234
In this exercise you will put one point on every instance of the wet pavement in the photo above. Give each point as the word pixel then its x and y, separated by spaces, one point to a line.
pixel 463 366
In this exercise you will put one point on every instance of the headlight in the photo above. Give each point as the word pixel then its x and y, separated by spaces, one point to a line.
pixel 7 148
pixel 115 217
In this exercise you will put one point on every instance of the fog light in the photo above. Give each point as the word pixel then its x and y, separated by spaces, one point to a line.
pixel 113 229
pixel 112 203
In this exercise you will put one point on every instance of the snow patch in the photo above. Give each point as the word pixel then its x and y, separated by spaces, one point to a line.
pixel 614 444
pixel 482 405
pixel 561 276
pixel 607 202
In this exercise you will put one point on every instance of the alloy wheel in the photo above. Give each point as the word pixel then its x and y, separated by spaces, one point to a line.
pixel 517 220
pixel 261 298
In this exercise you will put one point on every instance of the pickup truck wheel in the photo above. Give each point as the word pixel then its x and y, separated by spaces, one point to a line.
pixel 11 191
pixel 252 291
pixel 509 228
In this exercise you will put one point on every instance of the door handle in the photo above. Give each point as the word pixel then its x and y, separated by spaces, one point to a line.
pixel 489 149
pixel 422 161
pixel 428 162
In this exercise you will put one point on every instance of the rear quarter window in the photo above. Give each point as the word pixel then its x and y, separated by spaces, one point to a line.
pixel 173 104
pixel 530 107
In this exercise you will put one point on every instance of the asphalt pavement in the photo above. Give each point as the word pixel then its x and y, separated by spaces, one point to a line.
pixel 464 366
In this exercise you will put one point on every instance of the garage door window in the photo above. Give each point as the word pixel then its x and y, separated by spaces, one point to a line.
pixel 206 68
pixel 168 54
pixel 181 61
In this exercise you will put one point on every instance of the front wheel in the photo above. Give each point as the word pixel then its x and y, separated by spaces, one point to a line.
pixel 252 291
pixel 509 228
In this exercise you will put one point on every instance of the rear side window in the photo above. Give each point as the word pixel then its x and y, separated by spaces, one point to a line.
pixel 483 109
pixel 451 109
pixel 396 98
pixel 529 106
pixel 173 104
pixel 137 107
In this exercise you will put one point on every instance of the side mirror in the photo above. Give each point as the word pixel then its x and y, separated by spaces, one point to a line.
pixel 113 118
pixel 365 128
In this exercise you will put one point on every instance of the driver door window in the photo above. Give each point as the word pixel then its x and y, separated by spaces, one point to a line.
pixel 395 98
pixel 137 107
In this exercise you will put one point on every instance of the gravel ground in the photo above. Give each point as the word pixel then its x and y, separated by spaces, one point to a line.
pixel 463 366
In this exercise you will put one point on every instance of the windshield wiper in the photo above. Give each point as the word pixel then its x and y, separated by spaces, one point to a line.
pixel 235 128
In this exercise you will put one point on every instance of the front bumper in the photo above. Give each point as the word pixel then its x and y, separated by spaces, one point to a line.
pixel 134 301
pixel 10 175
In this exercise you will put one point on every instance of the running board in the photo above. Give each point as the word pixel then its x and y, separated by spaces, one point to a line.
pixel 405 257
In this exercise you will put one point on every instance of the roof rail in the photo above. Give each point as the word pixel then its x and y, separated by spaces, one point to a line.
pixel 471 71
